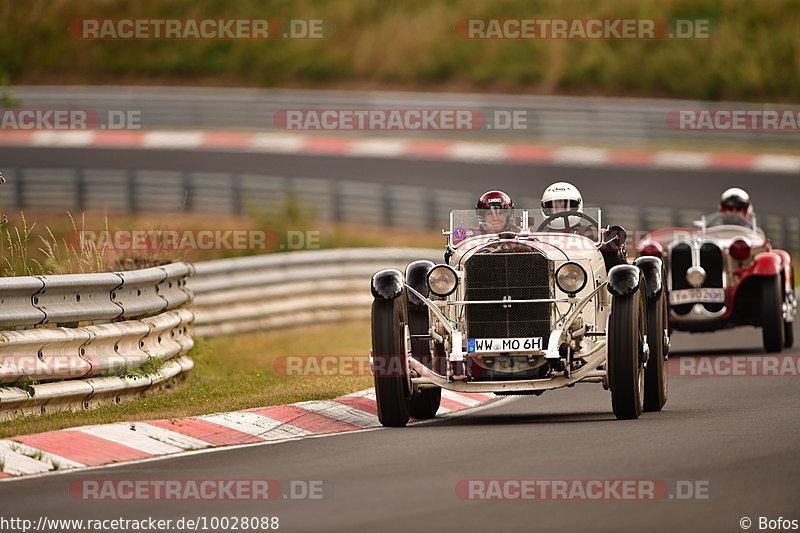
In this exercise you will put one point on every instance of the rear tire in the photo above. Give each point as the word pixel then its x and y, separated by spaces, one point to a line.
pixel 772 326
pixel 656 377
pixel 426 404
pixel 788 334
pixel 388 353
pixel 625 372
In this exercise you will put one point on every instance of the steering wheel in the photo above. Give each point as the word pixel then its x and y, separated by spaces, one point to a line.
pixel 565 215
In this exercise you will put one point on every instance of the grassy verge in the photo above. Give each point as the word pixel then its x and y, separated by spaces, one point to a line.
pixel 230 373
pixel 45 243
pixel 752 54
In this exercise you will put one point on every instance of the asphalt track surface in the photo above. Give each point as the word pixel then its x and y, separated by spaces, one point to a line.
pixel 654 187
pixel 734 437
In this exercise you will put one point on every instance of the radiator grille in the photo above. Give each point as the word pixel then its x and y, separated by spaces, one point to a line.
pixel 520 276
pixel 681 261
pixel 711 261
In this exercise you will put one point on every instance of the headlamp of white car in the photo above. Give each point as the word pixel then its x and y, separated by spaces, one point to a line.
pixel 442 280
pixel 571 277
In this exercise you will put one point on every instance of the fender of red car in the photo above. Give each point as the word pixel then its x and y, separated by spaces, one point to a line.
pixel 766 264
pixel 786 259
pixel 387 284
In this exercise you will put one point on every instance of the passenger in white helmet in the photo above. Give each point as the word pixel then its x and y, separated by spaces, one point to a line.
pixel 562 208
pixel 558 201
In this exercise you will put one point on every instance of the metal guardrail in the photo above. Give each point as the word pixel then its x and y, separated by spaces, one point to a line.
pixel 124 320
pixel 264 292
pixel 632 121
pixel 36 300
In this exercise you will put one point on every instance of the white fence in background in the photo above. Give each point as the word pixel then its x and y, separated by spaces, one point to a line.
pixel 629 121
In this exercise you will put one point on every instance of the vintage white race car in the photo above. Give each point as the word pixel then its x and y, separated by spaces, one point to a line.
pixel 543 303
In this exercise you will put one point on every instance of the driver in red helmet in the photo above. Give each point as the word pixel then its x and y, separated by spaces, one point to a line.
pixel 495 211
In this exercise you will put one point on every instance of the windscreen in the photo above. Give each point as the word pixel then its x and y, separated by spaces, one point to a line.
pixel 479 223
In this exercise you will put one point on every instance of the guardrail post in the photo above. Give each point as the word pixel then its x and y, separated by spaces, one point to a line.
pixel 188 192
pixel 388 206
pixel 430 210
pixel 236 194
pixel 80 189
pixel 336 201
pixel 19 180
pixel 131 189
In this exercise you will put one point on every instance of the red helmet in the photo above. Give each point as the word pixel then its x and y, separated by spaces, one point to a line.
pixel 494 200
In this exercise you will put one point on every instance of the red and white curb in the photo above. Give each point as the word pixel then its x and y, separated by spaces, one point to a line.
pixel 280 142
pixel 89 446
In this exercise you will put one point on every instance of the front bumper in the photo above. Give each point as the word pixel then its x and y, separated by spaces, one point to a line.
pixel 589 372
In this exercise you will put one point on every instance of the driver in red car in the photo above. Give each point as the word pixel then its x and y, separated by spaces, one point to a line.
pixel 734 209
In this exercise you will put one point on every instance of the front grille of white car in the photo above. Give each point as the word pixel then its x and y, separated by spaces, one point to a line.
pixel 510 275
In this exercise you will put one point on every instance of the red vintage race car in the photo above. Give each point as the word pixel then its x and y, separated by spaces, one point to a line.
pixel 725 273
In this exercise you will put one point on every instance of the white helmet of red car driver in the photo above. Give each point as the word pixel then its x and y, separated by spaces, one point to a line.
pixel 560 197
pixel 736 200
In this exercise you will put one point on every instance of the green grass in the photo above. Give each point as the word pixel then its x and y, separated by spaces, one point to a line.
pixel 47 243
pixel 230 373
pixel 754 53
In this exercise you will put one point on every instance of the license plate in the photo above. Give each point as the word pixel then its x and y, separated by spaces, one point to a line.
pixel 698 295
pixel 518 344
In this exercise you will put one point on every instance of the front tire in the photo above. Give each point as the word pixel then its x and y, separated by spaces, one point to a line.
pixel 772 326
pixel 389 356
pixel 625 372
pixel 656 377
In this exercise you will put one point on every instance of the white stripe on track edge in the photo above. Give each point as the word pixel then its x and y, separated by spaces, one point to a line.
pixel 495 402
pixel 257 425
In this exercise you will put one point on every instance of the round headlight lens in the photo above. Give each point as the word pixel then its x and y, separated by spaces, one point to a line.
pixel 571 277
pixel 442 280
pixel 696 275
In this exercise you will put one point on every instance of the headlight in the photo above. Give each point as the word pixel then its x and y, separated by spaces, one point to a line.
pixel 442 280
pixel 571 277
pixel 696 275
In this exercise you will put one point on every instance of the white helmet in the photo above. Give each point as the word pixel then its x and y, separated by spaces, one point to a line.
pixel 736 199
pixel 560 197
